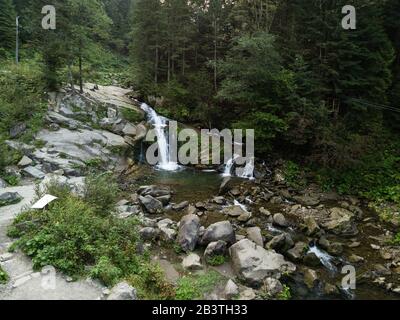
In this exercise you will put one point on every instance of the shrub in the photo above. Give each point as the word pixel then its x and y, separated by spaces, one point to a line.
pixel 194 287
pixel 216 260
pixel 3 276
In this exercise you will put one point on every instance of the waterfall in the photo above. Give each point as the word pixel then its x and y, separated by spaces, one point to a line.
pixel 324 257
pixel 248 171
pixel 229 166
pixel 160 123
pixel 237 203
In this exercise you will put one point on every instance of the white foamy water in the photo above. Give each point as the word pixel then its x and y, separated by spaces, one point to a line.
pixel 229 166
pixel 237 203
pixel 160 123
pixel 324 257
pixel 248 171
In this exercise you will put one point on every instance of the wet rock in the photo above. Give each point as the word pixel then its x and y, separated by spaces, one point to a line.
pixel 273 287
pixel 148 233
pixel 276 200
pixel 225 186
pixel 279 177
pixel 219 200
pixel 330 290
pixel 312 260
pixel 122 291
pixel 235 192
pixel 219 231
pixel 189 232
pixel 311 226
pixel 231 290
pixel 129 130
pixel 9 198
pixel 354 244
pixel 340 222
pixel 375 247
pixel 254 264
pixel 180 206
pixel 310 278
pixel 234 211
pixel 280 220
pixel 324 243
pixel 281 243
pixel 151 204
pixel 244 217
pixel 24 162
pixel 265 212
pixel 381 270
pixel 356 259
pixel 217 248
pixel 254 234
pixel 165 200
pixel 154 191
pixel 335 249
pixel 34 172
pixel 192 262
pixel 298 252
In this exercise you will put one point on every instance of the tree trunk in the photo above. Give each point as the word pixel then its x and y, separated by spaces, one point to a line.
pixel 80 69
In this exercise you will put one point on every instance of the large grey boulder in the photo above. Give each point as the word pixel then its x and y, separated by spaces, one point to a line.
pixel 3 184
pixel 189 232
pixel 151 204
pixel 192 262
pixel 254 264
pixel 123 291
pixel 340 222
pixel 219 231
pixel 254 234
pixel 154 191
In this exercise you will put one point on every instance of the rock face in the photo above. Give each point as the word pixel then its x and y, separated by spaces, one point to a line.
pixel 254 234
pixel 189 232
pixel 151 204
pixel 341 222
pixel 3 184
pixel 254 264
pixel 123 291
pixel 219 231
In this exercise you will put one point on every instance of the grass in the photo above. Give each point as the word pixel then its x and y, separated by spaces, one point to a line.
pixel 3 276
pixel 194 287
pixel 81 237
pixel 216 260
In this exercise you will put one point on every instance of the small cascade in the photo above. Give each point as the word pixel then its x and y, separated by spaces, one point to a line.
pixel 160 123
pixel 229 166
pixel 248 171
pixel 237 203
pixel 324 257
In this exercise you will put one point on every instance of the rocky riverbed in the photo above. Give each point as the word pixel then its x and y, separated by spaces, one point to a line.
pixel 262 236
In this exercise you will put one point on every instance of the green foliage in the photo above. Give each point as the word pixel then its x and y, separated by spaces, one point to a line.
pixel 3 276
pixel 285 294
pixel 396 240
pixel 216 260
pixel 7 25
pixel 132 115
pixel 194 287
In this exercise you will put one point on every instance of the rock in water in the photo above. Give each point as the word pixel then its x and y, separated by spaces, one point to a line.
pixel 219 231
pixel 151 204
pixel 189 232
pixel 9 198
pixel 254 264
pixel 123 291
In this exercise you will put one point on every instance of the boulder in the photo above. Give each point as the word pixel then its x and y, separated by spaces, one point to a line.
pixel 151 204
pixel 167 229
pixel 3 184
pixel 311 226
pixel 219 231
pixel 192 262
pixel 231 290
pixel 281 243
pixel 244 217
pixel 191 210
pixel 310 278
pixel 154 191
pixel 123 291
pixel 341 222
pixel 225 186
pixel 233 211
pixel 180 206
pixel 9 198
pixel 247 295
pixel 298 252
pixel 265 212
pixel 149 233
pixel 17 130
pixel 165 200
pixel 189 232
pixel 217 248
pixel 254 264
pixel 254 234
pixel 129 130
pixel 280 220
pixel 308 200
pixel 273 287
pixel 312 260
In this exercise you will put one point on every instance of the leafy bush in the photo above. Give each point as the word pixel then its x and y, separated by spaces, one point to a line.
pixel 216 260
pixel 3 276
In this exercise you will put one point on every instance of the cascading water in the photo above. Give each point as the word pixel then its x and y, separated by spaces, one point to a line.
pixel 160 123
pixel 324 257
pixel 248 172
pixel 229 166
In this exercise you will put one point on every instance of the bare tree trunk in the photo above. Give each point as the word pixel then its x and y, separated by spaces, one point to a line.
pixel 215 54
pixel 80 68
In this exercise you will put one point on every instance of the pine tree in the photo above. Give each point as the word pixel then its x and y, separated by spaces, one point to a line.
pixel 7 24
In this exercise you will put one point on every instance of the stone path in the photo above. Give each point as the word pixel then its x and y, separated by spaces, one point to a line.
pixel 24 283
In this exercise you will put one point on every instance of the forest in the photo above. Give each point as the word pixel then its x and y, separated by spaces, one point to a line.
pixel 324 101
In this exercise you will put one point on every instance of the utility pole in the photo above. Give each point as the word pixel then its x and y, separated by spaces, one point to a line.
pixel 17 40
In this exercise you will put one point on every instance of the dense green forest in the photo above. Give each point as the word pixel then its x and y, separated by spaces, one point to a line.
pixel 323 98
